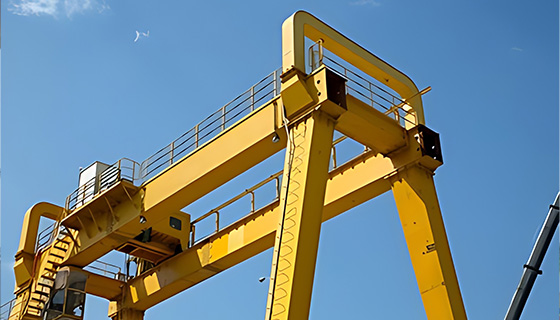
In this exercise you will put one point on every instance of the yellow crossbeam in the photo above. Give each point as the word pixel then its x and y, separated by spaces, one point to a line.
pixel 239 148
pixel 348 186
pixel 384 134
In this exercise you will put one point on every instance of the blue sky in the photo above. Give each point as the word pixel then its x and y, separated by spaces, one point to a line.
pixel 76 88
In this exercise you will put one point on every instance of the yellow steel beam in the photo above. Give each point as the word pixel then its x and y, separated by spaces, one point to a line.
pixel 231 153
pixel 302 199
pixel 312 195
pixel 348 186
pixel 23 267
pixel 237 149
pixel 419 212
pixel 302 24
pixel 234 151
pixel 371 127
pixel 102 286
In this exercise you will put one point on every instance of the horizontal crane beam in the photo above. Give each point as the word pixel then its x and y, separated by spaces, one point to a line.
pixel 347 187
pixel 231 153
pixel 383 134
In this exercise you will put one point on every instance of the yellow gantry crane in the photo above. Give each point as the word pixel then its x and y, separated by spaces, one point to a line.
pixel 136 208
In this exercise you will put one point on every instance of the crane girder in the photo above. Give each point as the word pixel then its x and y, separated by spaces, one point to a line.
pixel 145 219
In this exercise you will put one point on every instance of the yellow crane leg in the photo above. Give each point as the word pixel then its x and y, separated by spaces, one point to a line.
pixel 116 312
pixel 297 237
pixel 420 215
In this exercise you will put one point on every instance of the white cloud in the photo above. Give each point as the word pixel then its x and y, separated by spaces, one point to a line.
pixel 76 6
pixel 56 7
pixel 516 49
pixel 35 7
pixel 372 3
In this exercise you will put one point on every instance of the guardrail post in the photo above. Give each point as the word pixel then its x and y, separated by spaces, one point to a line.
pixel 252 98
pixel 224 118
pixel 277 181
pixel 274 83
pixel 217 221
pixel 172 147
pixel 196 135
pixel 334 156
pixel 193 229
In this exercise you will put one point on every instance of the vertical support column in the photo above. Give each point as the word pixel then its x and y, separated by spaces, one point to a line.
pixel 302 198
pixel 420 215
pixel 115 313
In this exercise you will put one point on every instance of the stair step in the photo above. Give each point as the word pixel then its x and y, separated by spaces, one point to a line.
pixel 47 277
pixel 54 263
pixel 50 270
pixel 45 284
pixel 63 241
pixel 38 299
pixel 41 293
pixel 34 307
pixel 61 248
pixel 56 255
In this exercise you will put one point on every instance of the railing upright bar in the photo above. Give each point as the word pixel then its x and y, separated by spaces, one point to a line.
pixel 217 221
pixel 320 52
pixel 171 156
pixel 334 156
pixel 253 98
pixel 119 173
pixel 277 182
pixel 223 118
pixel 196 135
pixel 193 229
pixel 275 76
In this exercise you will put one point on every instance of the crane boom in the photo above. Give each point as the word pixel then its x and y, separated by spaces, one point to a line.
pixel 532 267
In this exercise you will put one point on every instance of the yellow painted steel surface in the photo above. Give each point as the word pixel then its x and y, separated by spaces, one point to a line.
pixel 234 151
pixel 384 134
pixel 299 226
pixel 418 207
pixel 347 187
pixel 23 267
pixel 302 24
pixel 401 158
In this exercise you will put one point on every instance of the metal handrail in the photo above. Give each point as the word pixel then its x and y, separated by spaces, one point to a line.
pixel 45 237
pixel 104 269
pixel 7 308
pixel 251 191
pixel 122 169
pixel 214 124
pixel 218 121
pixel 375 95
